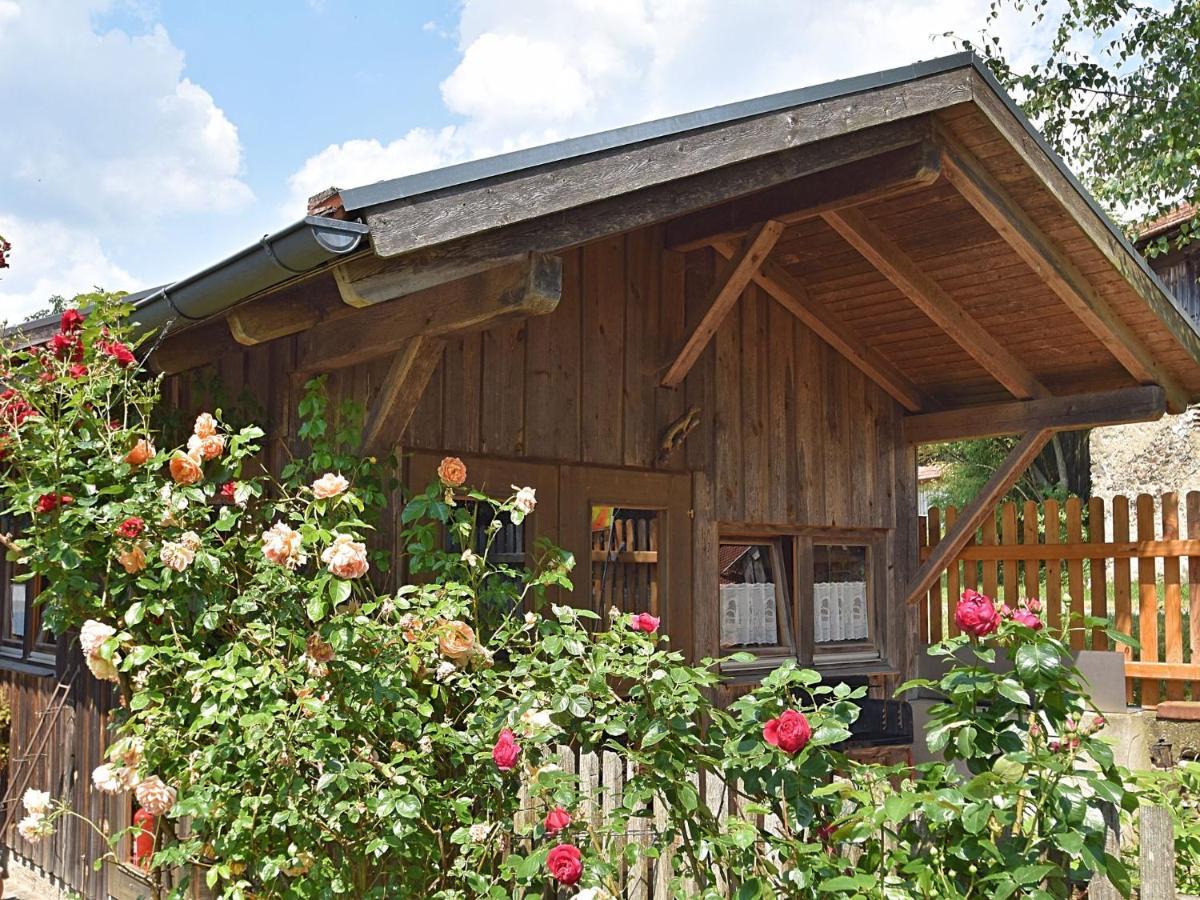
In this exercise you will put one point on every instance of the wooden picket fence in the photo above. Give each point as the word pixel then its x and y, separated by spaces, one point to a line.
pixel 1122 559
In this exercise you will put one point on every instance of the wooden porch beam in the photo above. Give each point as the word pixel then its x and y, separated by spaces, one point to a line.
pixel 528 288
pixel 400 392
pixel 733 279
pixel 1146 403
pixel 294 309
pixel 973 514
pixel 1040 252
pixel 796 299
pixel 895 265
pixel 889 174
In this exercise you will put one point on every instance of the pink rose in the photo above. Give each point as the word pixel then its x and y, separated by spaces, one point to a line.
pixel 556 820
pixel 283 546
pixel 644 622
pixel 976 614
pixel 154 796
pixel 329 485
pixel 565 863
pixel 790 732
pixel 346 557
pixel 1028 619
pixel 506 751
pixel 1034 605
pixel 205 426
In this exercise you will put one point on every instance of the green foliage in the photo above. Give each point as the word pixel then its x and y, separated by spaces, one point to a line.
pixel 1062 469
pixel 1118 94
pixel 1178 790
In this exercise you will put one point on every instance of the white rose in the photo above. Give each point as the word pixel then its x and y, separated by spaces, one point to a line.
pixel 93 635
pixel 526 499
pixel 36 801
pixel 329 485
pixel 479 831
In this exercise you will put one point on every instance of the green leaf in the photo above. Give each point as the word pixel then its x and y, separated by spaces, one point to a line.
pixel 1037 661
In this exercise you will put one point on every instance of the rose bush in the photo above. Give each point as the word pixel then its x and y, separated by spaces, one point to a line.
pixel 324 737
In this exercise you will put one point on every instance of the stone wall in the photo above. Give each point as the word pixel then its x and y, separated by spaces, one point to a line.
pixel 1150 457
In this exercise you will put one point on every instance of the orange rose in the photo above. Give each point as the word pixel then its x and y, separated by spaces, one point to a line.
pixel 140 454
pixel 457 642
pixel 132 559
pixel 206 426
pixel 317 649
pixel 185 467
pixel 452 471
pixel 209 447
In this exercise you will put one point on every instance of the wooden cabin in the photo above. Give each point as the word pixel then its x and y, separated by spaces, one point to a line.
pixel 711 343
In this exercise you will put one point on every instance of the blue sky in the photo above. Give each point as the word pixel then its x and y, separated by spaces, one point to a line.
pixel 146 139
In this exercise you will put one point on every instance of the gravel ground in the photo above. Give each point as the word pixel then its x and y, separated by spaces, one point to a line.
pixel 24 884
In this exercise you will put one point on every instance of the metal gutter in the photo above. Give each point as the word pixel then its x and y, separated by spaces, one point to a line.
pixel 296 250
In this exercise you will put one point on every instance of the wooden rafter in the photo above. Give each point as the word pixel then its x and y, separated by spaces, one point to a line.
pixel 895 265
pixel 973 514
pixel 1042 254
pixel 519 290
pixel 736 274
pixel 300 307
pixel 888 174
pixel 795 298
pixel 1146 403
pixel 400 392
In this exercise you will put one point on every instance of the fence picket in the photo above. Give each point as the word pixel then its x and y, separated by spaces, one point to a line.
pixel 1098 571
pixel 1147 598
pixel 1009 535
pixel 935 592
pixel 990 567
pixel 1075 573
pixel 1121 583
pixel 1172 593
pixel 1053 526
pixel 924 607
pixel 953 588
pixel 1029 524
pixel 1193 533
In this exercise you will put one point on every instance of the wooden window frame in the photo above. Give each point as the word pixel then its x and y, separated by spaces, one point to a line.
pixel 766 657
pixel 29 648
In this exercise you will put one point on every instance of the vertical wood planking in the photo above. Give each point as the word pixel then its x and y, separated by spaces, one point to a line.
pixel 1147 598
pixel 1052 524
pixel 727 419
pixel 603 335
pixel 926 608
pixel 700 384
pixel 991 569
pixel 1098 570
pixel 1075 572
pixel 1031 563
pixel 810 455
pixel 641 322
pixel 502 414
pixel 1122 600
pixel 782 473
pixel 753 376
pixel 953 585
pixel 1010 536
pixel 1172 593
pixel 934 533
pixel 672 319
pixel 462 385
pixel 1193 532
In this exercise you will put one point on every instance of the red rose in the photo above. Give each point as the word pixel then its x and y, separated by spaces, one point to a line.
pixel 78 370
pixel 565 863
pixel 50 502
pixel 506 751
pixel 976 614
pixel 131 527
pixel 229 491
pixel 71 322
pixel 556 820
pixel 67 346
pixel 1028 619
pixel 790 732
pixel 118 351
pixel 644 622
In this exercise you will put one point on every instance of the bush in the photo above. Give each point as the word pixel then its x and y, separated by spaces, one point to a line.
pixel 321 737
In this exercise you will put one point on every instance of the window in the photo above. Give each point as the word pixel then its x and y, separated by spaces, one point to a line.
pixel 808 595
pixel 22 636
pixel 624 559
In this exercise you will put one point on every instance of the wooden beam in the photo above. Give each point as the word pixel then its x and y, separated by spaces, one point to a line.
pixel 1146 403
pixel 895 265
pixel 457 211
pixel 972 515
pixel 529 288
pixel 889 174
pixel 400 392
pixel 735 276
pixel 796 299
pixel 1040 252
pixel 200 345
pixel 291 310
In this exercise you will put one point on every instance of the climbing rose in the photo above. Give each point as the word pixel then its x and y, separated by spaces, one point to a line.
pixel 506 751
pixel 35 801
pixel 346 557
pixel 66 346
pixel 102 669
pixel 456 641
pixel 976 614
pixel 229 491
pixel 131 527
pixel 50 502
pixel 185 467
pixel 206 447
pixel 282 545
pixel 154 796
pixel 565 863
pixel 525 500
pixel 1033 604
pixel 790 732
pixel 35 827
pixel 556 820
pixel 205 426
pixel 176 555
pixel 1028 619
pixel 318 649
pixel 140 454
pixel 644 622
pixel 452 471
pixel 329 485
pixel 71 321
pixel 92 636
pixel 79 370
pixel 110 778
pixel 118 351
pixel 132 559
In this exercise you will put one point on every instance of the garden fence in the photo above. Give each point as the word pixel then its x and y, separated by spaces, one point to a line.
pixel 1134 560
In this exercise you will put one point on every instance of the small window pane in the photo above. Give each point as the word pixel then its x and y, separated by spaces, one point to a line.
pixel 753 605
pixel 624 549
pixel 17 603
pixel 840 602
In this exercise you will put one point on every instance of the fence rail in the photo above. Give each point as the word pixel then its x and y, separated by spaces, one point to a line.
pixel 1122 559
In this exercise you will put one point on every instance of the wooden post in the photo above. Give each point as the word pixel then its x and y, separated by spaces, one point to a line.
pixel 1099 572
pixel 1123 617
pixel 1156 847
pixel 1147 598
pixel 1100 887
pixel 1075 573
pixel 1193 533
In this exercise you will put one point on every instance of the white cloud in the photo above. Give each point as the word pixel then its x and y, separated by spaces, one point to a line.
pixel 540 70
pixel 51 258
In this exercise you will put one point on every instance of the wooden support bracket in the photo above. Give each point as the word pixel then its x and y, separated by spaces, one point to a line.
pixel 973 514
pixel 737 273
pixel 895 265
pixel 400 392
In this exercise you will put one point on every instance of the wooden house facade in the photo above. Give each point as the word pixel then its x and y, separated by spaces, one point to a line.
pixel 712 344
